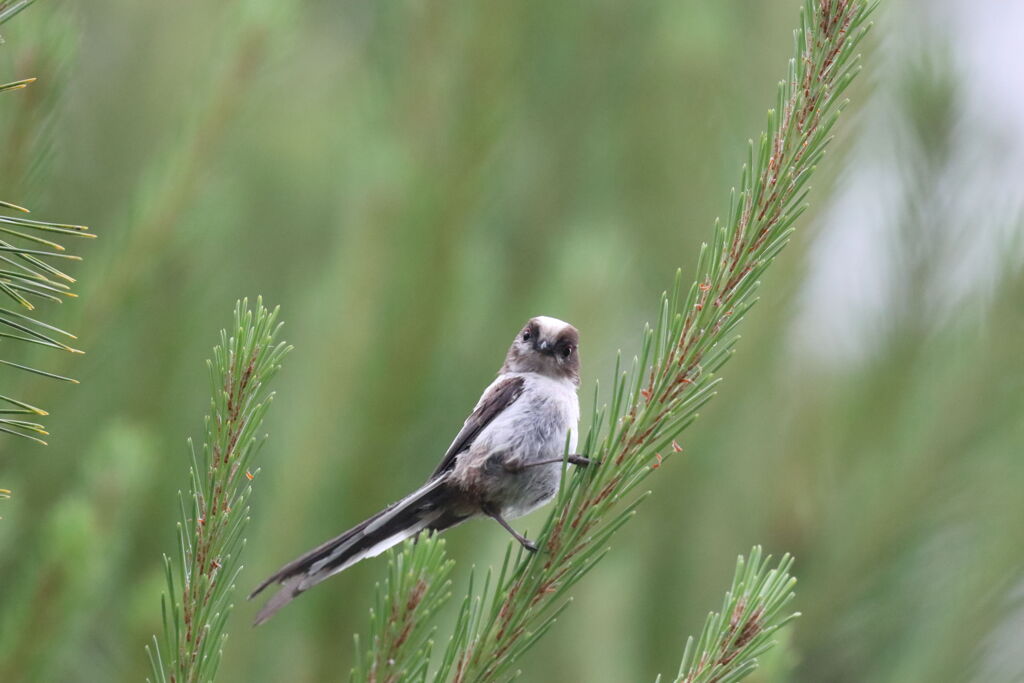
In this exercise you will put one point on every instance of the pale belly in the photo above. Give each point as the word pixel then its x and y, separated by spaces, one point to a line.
pixel 498 467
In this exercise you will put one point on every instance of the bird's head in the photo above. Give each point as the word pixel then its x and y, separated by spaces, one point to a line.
pixel 547 346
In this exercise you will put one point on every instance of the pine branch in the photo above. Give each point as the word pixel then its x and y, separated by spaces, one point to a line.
pixel 27 276
pixel 676 371
pixel 11 7
pixel 400 630
pixel 211 533
pixel 728 647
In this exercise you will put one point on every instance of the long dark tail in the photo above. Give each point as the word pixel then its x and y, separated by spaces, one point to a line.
pixel 422 510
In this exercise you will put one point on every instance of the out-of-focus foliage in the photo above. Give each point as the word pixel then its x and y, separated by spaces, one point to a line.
pixel 31 261
pixel 412 180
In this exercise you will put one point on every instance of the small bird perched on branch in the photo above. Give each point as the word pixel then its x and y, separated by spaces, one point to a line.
pixel 505 462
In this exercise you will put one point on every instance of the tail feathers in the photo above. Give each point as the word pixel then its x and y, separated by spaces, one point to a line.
pixel 416 512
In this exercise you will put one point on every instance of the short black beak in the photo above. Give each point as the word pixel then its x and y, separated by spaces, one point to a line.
pixel 544 346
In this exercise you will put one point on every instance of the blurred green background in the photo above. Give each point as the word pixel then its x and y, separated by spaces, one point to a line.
pixel 412 180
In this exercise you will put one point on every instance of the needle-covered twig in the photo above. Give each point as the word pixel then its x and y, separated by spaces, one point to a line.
pixel 211 533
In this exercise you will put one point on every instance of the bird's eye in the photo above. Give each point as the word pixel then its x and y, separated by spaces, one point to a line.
pixel 526 335
pixel 567 351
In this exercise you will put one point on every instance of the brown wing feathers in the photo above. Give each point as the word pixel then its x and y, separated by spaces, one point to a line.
pixel 500 397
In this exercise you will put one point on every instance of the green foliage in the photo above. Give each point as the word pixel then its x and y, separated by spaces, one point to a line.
pixel 214 517
pixel 735 637
pixel 27 275
pixel 9 8
pixel 416 585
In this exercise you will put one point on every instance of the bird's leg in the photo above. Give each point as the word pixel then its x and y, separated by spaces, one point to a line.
pixel 578 460
pixel 523 540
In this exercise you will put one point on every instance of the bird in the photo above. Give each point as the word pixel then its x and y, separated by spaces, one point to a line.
pixel 505 462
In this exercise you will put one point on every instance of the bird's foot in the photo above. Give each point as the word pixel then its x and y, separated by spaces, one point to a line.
pixel 523 540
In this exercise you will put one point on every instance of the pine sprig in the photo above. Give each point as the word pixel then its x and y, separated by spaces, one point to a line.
pixel 11 7
pixel 401 630
pixel 201 577
pixel 742 631
pixel 676 371
pixel 27 276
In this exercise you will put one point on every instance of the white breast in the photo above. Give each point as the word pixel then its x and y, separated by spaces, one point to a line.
pixel 535 426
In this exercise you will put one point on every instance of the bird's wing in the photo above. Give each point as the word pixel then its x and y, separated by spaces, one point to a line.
pixel 496 399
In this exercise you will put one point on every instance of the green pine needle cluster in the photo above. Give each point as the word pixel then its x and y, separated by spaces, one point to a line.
pixel 735 637
pixel 215 514
pixel 675 373
pixel 28 276
pixel 9 8
pixel 417 584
